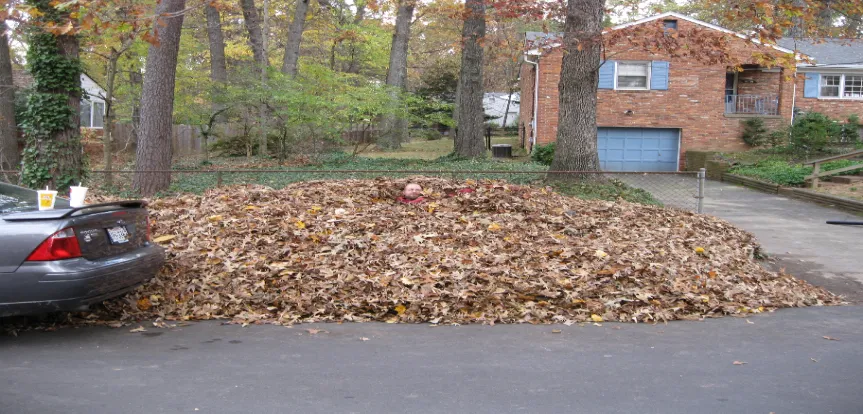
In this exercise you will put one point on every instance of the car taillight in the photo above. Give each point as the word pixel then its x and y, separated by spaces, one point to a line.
pixel 61 245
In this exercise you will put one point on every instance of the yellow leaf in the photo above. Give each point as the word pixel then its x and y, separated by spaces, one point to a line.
pixel 144 304
pixel 493 227
pixel 555 331
pixel 300 224
pixel 699 250
pixel 164 238
pixel 250 208
pixel 215 218
pixel 600 254
pixel 705 298
pixel 392 320
pixel 400 309
pixel 596 318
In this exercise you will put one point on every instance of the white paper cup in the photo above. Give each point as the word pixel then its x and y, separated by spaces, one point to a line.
pixel 77 195
pixel 46 199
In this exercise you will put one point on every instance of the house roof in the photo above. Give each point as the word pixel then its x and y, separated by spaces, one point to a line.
pixel 828 52
pixel 551 37
pixel 22 79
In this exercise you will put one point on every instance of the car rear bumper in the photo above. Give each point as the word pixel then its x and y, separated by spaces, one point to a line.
pixel 65 285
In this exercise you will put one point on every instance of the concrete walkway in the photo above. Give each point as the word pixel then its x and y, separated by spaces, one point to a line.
pixel 795 236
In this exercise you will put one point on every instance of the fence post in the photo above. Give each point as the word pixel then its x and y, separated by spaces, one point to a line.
pixel 218 178
pixel 702 177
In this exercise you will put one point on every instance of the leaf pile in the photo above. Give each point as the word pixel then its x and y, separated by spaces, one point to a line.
pixel 346 251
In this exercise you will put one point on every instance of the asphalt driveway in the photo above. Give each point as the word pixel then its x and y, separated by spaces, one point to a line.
pixel 795 236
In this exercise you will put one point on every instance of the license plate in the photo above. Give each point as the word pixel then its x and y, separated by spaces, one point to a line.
pixel 118 235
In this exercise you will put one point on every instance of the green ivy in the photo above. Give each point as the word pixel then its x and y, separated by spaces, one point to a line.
pixel 47 112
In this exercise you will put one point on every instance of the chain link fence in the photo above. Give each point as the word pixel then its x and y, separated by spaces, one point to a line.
pixel 681 190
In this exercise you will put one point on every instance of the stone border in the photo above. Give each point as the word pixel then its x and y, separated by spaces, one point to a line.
pixel 799 193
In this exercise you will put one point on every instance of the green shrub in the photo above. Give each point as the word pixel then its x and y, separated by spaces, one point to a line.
pixel 543 154
pixel 428 134
pixel 813 132
pixel 754 133
pixel 782 173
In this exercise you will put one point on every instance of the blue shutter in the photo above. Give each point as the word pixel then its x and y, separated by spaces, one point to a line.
pixel 606 75
pixel 659 75
pixel 810 86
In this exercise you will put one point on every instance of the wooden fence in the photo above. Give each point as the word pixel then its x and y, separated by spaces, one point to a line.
pixel 186 140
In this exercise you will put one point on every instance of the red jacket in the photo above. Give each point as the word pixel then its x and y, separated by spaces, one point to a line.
pixel 417 200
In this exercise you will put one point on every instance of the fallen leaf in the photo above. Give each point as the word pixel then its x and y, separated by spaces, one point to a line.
pixel 313 331
pixel 400 309
pixel 299 224
pixel 138 329
pixel 215 218
pixel 748 321
pixel 555 331
pixel 596 318
pixel 830 338
pixel 813 359
pixel 494 227
pixel 364 339
pixel 699 250
pixel 164 238
pixel 740 363
pixel 600 254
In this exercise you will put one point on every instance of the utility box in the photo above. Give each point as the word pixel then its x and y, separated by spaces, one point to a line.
pixel 501 151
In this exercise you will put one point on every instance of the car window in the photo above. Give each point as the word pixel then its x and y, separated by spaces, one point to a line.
pixel 14 199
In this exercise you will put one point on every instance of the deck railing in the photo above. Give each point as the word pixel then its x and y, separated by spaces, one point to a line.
pixel 752 104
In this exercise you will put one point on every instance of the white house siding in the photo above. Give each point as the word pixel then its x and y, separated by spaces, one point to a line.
pixel 494 104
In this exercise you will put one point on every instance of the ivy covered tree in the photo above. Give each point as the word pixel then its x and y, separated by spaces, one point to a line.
pixel 52 155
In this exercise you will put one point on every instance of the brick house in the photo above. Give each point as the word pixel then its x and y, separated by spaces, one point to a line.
pixel 651 108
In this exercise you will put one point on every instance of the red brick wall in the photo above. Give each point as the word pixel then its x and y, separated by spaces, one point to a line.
pixel 694 101
pixel 838 109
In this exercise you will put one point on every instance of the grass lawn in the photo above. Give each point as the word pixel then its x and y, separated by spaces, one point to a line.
pixel 430 150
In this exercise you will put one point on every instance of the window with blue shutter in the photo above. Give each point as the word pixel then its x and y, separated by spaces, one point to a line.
pixel 606 75
pixel 810 86
pixel 659 75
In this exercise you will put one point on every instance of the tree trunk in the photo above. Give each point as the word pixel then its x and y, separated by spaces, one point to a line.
pixel 157 104
pixel 576 130
pixel 469 133
pixel 253 25
pixel 107 133
pixel 396 128
pixel 218 67
pixel 8 129
pixel 295 37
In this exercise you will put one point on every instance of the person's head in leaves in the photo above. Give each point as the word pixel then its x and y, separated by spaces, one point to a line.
pixel 412 191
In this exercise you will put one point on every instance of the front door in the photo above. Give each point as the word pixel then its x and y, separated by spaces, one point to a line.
pixel 730 93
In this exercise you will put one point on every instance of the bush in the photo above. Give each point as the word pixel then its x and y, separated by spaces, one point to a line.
pixel 428 134
pixel 813 132
pixel 754 133
pixel 782 173
pixel 543 154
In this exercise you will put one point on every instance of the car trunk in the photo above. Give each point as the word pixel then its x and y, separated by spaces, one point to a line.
pixel 111 233
pixel 102 230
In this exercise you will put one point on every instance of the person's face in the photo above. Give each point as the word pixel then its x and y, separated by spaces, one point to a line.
pixel 412 191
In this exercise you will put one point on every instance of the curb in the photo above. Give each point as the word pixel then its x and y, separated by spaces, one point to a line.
pixel 798 193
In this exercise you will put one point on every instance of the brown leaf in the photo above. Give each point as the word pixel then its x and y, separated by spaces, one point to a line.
pixel 138 329
pixel 740 363
pixel 830 338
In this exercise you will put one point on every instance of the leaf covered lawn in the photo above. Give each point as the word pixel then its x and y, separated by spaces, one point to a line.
pixel 346 251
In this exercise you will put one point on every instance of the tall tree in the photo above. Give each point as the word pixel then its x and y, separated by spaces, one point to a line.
pixel 396 128
pixel 253 26
pixel 8 129
pixel 576 128
pixel 157 101
pixel 295 37
pixel 469 128
pixel 51 123
pixel 218 67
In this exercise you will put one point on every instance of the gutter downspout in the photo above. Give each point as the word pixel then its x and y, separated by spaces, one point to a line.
pixel 535 101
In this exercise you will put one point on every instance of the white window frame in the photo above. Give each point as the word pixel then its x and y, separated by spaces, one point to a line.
pixel 841 86
pixel 92 112
pixel 632 62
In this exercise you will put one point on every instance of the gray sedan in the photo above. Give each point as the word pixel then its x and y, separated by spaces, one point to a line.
pixel 67 258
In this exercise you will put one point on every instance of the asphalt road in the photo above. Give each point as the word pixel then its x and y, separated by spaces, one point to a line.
pixel 680 367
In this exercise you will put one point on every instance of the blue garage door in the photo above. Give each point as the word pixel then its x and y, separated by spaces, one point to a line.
pixel 638 149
